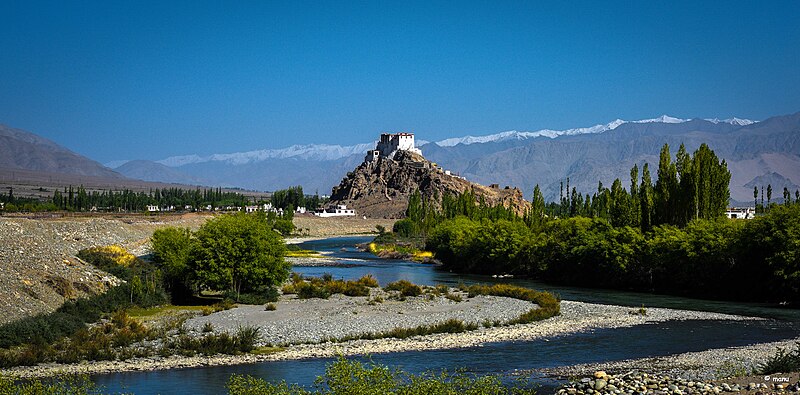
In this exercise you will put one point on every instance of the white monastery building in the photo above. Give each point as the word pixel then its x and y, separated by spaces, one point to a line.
pixel 389 144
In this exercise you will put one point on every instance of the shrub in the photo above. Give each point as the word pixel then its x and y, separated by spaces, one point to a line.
pixel 309 290
pixel 368 281
pixel 782 362
pixel 405 287
pixel 270 307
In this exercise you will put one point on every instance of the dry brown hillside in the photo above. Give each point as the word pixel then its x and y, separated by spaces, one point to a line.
pixel 38 268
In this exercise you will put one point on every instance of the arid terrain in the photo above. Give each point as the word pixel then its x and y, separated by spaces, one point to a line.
pixel 39 270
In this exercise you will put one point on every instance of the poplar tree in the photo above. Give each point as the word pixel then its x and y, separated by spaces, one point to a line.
pixel 646 199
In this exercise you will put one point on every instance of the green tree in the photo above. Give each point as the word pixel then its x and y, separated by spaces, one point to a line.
pixel 646 199
pixel 787 196
pixel 171 248
pixel 239 253
pixel 666 188
pixel 711 179
pixel 769 195
pixel 755 198
pixel 635 198
pixel 537 206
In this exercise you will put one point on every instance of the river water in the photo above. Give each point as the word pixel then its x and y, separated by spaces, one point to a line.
pixel 496 358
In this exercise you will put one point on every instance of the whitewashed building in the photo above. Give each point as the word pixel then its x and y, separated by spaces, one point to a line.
pixel 740 212
pixel 340 210
pixel 389 144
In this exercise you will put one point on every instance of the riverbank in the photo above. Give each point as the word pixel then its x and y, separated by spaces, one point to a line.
pixel 575 317
pixel 701 365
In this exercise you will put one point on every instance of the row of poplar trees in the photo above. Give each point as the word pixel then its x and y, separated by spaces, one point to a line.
pixel 693 186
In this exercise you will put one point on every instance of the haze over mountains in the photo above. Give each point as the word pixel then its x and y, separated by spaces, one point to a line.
pixel 758 153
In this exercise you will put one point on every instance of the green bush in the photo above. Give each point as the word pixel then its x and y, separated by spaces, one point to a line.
pixel 405 287
pixel 309 290
pixel 61 385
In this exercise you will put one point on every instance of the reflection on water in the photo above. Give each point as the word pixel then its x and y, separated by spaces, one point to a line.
pixel 497 358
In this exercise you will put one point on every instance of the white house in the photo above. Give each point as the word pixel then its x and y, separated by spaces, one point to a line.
pixel 153 208
pixel 340 210
pixel 389 144
pixel 740 212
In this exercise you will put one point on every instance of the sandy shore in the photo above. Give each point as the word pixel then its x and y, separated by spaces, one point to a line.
pixel 575 317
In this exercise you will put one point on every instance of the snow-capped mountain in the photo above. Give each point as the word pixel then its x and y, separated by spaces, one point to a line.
pixel 308 152
pixel 524 159
pixel 732 121
pixel 517 135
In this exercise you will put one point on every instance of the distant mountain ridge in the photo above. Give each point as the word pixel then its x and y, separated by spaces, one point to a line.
pixel 24 150
pixel 324 152
pixel 761 152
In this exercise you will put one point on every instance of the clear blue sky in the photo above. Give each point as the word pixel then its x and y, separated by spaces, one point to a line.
pixel 147 80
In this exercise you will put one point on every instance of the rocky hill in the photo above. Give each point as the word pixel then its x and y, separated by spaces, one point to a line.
pixel 381 189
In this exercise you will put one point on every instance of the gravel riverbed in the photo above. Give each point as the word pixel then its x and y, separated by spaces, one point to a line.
pixel 575 317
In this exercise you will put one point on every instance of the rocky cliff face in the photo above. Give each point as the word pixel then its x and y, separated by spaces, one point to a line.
pixel 381 189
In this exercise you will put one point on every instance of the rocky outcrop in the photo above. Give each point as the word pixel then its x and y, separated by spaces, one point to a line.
pixel 381 189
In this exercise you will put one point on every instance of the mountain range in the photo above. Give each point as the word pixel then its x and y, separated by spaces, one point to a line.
pixel 757 153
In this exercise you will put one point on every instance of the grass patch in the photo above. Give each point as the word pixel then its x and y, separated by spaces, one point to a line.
pixel 549 305
pixel 302 254
pixel 450 326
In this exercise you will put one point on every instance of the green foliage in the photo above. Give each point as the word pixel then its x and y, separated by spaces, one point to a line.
pixel 79 199
pixel 239 253
pixel 171 247
pixel 782 362
pixel 308 291
pixel 450 326
pixel 243 341
pixel 405 228
pixel 405 287
pixel 326 286
pixel 346 377
pixel 549 305
pixel 757 260
pixel 59 385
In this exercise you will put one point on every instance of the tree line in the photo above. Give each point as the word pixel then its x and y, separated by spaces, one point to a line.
pixel 693 186
pixel 79 199
pixel 665 235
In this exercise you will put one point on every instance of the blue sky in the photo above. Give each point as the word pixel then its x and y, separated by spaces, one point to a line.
pixel 147 80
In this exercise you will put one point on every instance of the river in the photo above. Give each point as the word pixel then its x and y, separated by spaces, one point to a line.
pixel 496 358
